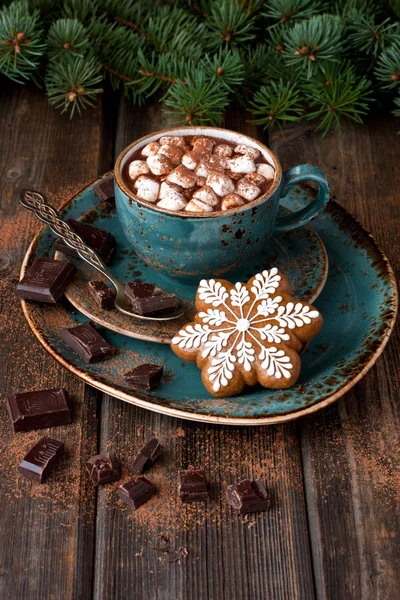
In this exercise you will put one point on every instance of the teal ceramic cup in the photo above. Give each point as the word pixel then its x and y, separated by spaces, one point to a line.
pixel 193 246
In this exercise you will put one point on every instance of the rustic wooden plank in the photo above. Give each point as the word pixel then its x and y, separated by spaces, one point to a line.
pixel 228 559
pixel 46 531
pixel 351 452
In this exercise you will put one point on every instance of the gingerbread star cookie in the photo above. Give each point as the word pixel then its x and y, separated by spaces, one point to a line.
pixel 245 334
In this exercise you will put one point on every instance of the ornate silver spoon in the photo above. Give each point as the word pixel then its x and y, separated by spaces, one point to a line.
pixel 36 202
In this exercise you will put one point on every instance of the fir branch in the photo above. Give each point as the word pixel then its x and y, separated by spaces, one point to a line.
pixel 21 46
pixel 231 23
pixel 338 93
pixel 82 10
pixel 276 103
pixel 71 83
pixel 288 11
pixel 388 66
pixel 370 38
pixel 67 36
pixel 197 103
pixel 312 44
pixel 227 67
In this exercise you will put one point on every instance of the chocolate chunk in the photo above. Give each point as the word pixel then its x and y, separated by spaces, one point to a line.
pixel 248 496
pixel 192 485
pixel 41 408
pixel 39 460
pixel 137 492
pixel 46 280
pixel 103 295
pixel 100 241
pixel 145 377
pixel 104 189
pixel 146 457
pixel 147 299
pixel 87 341
pixel 103 468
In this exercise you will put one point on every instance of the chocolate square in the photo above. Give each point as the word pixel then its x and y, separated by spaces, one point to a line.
pixel 103 295
pixel 145 377
pixel 103 468
pixel 38 462
pixel 146 456
pixel 192 485
pixel 137 492
pixel 46 280
pixel 248 496
pixel 88 343
pixel 41 408
pixel 147 299
pixel 102 242
pixel 104 189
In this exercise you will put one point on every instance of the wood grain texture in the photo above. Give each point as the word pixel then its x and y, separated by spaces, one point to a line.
pixel 351 451
pixel 333 529
pixel 228 559
pixel 46 531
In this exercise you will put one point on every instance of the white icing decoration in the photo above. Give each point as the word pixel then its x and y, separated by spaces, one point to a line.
pixel 238 329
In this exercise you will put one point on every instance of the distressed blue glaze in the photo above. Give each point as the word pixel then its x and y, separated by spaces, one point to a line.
pixel 358 304
pixel 194 247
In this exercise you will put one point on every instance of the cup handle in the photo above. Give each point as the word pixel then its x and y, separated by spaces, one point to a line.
pixel 302 217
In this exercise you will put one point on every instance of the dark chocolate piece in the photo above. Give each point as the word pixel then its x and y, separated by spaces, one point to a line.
pixel 39 460
pixel 137 492
pixel 100 241
pixel 248 496
pixel 103 468
pixel 147 299
pixel 87 341
pixel 103 294
pixel 41 408
pixel 146 457
pixel 192 485
pixel 104 189
pixel 145 377
pixel 46 280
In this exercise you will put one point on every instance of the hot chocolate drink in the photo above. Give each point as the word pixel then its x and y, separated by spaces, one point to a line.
pixel 198 174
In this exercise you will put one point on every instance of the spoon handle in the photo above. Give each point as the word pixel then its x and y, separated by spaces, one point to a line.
pixel 36 202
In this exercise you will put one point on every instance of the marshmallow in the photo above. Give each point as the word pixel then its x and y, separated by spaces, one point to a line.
pixel 147 188
pixel 255 178
pixel 203 142
pixel 174 153
pixel 242 164
pixel 218 163
pixel 201 181
pixel 167 188
pixel 172 201
pixel 198 206
pixel 266 171
pixel 136 168
pixel 203 146
pixel 202 169
pixel 247 151
pixel 159 164
pixel 231 201
pixel 207 195
pixel 223 150
pixel 150 149
pixel 182 176
pixel 190 160
pixel 176 140
pixel 247 190
pixel 221 184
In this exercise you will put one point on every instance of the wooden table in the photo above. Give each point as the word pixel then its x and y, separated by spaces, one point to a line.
pixel 333 531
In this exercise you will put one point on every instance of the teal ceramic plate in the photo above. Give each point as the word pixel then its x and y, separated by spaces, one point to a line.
pixel 358 303
pixel 299 254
